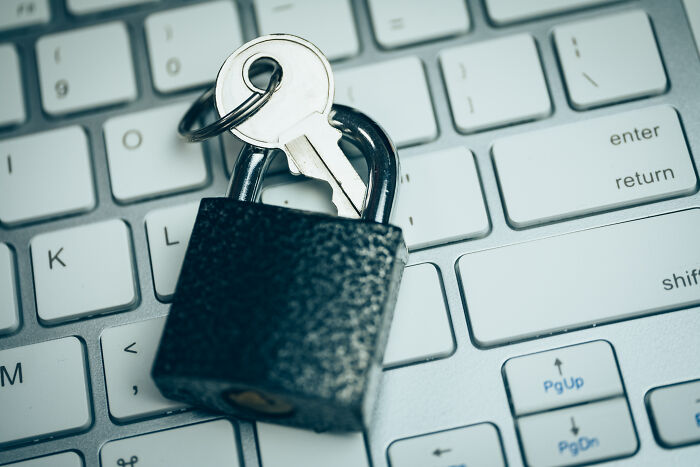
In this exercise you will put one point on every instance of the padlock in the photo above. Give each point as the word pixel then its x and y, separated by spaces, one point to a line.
pixel 283 315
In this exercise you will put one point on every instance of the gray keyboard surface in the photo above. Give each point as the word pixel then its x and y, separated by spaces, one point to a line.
pixel 463 387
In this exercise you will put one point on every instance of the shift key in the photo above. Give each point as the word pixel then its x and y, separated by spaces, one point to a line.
pixel 594 165
pixel 585 278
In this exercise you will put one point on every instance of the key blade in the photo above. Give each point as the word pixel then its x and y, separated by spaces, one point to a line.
pixel 312 148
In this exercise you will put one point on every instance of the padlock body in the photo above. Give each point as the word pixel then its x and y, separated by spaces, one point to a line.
pixel 281 315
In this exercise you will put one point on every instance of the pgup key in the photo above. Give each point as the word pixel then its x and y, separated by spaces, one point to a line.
pixel 295 118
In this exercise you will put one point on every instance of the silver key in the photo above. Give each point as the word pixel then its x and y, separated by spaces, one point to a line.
pixel 295 118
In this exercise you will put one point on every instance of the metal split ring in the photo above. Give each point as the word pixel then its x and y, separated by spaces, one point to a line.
pixel 235 117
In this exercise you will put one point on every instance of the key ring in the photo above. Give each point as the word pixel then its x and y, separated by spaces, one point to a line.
pixel 235 117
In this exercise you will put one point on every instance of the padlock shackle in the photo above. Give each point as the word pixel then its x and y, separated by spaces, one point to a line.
pixel 380 154
pixel 364 133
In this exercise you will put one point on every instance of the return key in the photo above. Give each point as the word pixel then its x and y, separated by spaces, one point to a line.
pixel 595 165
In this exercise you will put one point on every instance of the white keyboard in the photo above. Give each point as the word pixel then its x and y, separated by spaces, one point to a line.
pixel 548 195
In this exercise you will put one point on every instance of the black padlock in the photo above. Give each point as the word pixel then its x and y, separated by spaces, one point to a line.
pixel 283 315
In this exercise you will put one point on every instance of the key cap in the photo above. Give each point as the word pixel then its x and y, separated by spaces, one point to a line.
pixel 448 177
pixel 546 287
pixel 560 377
pixel 578 435
pixel 83 271
pixel 495 83
pixel 692 9
pixel 147 158
pixel 590 54
pixel 420 328
pixel 336 35
pixel 594 165
pixel 43 391
pixel 169 232
pixel 675 413
pixel 471 445
pixel 9 309
pixel 504 12
pixel 295 119
pixel 401 106
pixel 128 352
pixel 85 68
pixel 65 459
pixel 45 175
pixel 282 446
pixel 397 23
pixel 83 7
pixel 187 45
pixel 16 14
pixel 11 92
pixel 210 444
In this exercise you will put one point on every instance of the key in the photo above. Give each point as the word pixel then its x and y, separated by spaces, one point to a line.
pixel 504 12
pixel 11 93
pixel 9 309
pixel 65 459
pixel 282 446
pixel 675 413
pixel 475 445
pixel 561 377
pixel 43 390
pixel 210 444
pixel 15 14
pixel 295 119
pixel 594 165
pixel 44 175
pixel 83 7
pixel 547 285
pixel 128 352
pixel 83 271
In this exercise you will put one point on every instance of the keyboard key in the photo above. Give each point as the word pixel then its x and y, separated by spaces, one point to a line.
pixel 560 377
pixel 692 9
pixel 401 106
pixel 9 309
pixel 475 445
pixel 11 92
pixel 188 45
pixel 20 13
pixel 65 459
pixel 85 68
pixel 82 7
pixel 83 271
pixel 397 22
pixel 147 158
pixel 210 444
pixel 169 232
pixel 420 329
pixel 495 83
pixel 128 352
pixel 44 175
pixel 336 35
pixel 548 282
pixel 504 12
pixel 591 51
pixel 448 176
pixel 43 391
pixel 282 446
pixel 595 165
pixel 578 435
pixel 675 413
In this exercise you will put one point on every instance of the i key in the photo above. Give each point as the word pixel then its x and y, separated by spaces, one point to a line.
pixel 295 118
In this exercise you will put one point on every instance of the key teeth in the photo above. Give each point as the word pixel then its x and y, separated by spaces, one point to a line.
pixel 293 169
pixel 344 209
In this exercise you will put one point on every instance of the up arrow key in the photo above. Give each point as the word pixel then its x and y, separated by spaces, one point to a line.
pixel 128 348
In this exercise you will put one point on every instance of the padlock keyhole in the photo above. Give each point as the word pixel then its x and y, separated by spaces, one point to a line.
pixel 259 73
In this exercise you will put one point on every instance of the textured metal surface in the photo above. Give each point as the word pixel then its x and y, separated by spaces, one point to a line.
pixel 464 388
pixel 286 303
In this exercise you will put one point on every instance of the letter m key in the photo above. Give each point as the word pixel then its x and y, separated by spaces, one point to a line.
pixel 5 375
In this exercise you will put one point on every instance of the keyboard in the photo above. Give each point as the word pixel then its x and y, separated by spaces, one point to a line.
pixel 549 313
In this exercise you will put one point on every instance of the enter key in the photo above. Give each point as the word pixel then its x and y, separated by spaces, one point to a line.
pixel 562 377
